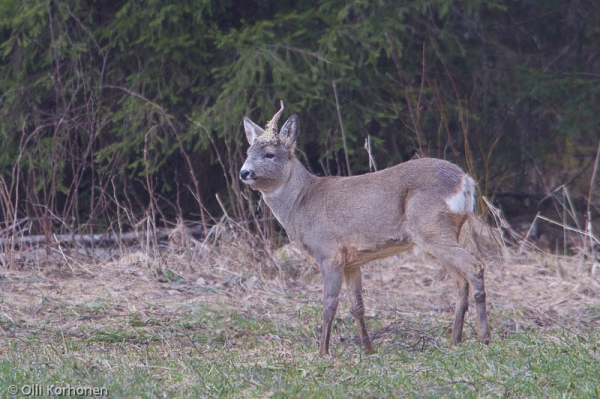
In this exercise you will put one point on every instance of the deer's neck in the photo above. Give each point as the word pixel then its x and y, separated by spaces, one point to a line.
pixel 281 201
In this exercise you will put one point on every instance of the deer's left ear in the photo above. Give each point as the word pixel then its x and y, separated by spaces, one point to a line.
pixel 289 132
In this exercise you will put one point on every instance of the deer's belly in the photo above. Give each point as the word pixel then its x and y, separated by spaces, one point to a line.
pixel 353 256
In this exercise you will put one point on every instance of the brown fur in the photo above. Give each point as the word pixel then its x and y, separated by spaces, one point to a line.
pixel 345 222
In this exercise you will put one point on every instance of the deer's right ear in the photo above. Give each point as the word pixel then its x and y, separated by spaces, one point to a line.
pixel 289 131
pixel 252 130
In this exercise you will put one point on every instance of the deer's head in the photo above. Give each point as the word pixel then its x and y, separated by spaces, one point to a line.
pixel 268 164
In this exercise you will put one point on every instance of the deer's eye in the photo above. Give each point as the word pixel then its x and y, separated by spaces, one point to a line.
pixel 269 155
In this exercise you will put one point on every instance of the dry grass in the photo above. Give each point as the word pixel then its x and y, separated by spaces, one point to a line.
pixel 230 317
pixel 234 269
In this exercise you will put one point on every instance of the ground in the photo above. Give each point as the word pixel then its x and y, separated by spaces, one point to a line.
pixel 208 321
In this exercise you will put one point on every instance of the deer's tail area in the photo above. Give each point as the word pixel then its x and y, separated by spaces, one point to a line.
pixel 463 201
pixel 476 235
pixel 469 188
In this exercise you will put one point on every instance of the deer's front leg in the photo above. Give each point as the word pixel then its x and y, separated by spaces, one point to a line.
pixel 332 281
pixel 353 280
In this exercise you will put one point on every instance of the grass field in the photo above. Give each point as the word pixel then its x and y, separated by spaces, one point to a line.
pixel 228 322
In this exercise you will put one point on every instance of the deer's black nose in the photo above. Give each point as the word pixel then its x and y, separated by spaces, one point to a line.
pixel 247 174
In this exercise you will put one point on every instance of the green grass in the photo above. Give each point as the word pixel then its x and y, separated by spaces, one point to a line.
pixel 219 352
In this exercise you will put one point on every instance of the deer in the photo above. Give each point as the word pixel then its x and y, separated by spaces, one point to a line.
pixel 343 222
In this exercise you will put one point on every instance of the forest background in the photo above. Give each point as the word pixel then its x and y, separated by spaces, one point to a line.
pixel 136 106
pixel 133 259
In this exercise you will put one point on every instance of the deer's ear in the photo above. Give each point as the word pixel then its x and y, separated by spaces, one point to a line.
pixel 289 131
pixel 252 130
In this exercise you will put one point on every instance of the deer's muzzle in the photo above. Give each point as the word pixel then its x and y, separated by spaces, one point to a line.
pixel 247 176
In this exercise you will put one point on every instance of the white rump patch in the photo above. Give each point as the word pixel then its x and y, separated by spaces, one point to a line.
pixel 456 203
pixel 418 251
pixel 464 200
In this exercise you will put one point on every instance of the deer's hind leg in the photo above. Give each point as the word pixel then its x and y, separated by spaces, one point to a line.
pixel 441 241
pixel 468 273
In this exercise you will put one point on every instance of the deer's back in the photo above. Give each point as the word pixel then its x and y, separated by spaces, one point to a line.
pixel 371 213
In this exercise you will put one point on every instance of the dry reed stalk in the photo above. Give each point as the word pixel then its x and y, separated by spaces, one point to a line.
pixel 345 144
pixel 589 226
pixel 412 103
pixel 372 165
pixel 500 222
pixel 529 230
pixel 569 228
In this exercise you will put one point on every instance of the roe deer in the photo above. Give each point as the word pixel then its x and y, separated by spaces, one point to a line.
pixel 345 222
